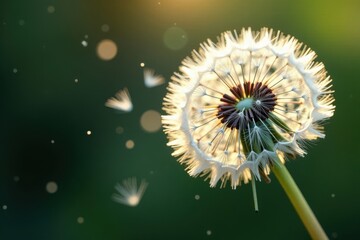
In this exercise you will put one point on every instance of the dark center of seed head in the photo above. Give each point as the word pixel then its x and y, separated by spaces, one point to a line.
pixel 247 103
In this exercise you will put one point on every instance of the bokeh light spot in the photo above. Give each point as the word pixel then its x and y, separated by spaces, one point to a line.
pixel 129 144
pixel 142 64
pixel 80 220
pixel 197 197
pixel 88 133
pixel 105 28
pixel 16 178
pixel 119 130
pixel 106 49
pixel 51 9
pixel 175 38
pixel 51 187
pixel 151 121
pixel 4 207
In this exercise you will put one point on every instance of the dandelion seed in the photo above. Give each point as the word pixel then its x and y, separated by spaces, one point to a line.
pixel 247 102
pixel 129 193
pixel 151 79
pixel 121 101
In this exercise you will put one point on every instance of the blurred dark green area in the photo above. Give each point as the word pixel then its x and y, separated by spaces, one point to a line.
pixel 41 102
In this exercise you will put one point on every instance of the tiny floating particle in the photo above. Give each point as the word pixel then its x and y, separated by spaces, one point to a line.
pixel 197 197
pixel 84 43
pixel 88 132
pixel 208 232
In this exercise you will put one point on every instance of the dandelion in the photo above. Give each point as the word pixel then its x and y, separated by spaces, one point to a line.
pixel 129 193
pixel 242 106
pixel 151 79
pixel 121 101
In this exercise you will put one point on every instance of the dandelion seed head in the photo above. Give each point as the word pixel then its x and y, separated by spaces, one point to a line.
pixel 241 104
pixel 130 193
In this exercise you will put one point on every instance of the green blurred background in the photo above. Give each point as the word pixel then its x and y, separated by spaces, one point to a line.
pixel 42 53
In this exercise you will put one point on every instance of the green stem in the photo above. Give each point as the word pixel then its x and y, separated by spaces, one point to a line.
pixel 298 201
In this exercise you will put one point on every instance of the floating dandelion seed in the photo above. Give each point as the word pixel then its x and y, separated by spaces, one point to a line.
pixel 129 192
pixel 245 103
pixel 241 106
pixel 121 101
pixel 151 79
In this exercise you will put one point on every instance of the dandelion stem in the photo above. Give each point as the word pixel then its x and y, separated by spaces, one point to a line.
pixel 298 201
pixel 256 206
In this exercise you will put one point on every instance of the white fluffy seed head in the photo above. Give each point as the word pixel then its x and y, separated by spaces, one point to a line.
pixel 285 96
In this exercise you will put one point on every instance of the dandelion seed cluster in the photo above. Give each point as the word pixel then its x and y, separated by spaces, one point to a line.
pixel 244 103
